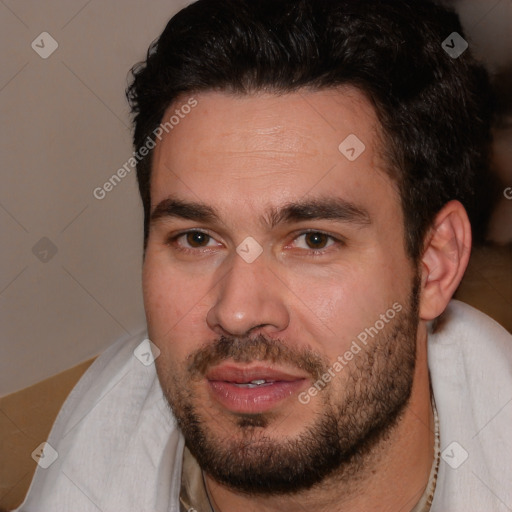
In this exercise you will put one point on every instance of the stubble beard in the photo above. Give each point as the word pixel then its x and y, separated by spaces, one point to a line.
pixel 352 425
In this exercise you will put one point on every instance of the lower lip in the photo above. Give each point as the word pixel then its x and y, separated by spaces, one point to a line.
pixel 253 400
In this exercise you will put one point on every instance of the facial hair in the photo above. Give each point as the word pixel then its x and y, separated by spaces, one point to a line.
pixel 354 420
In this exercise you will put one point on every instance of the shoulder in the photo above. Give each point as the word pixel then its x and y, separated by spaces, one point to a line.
pixel 116 365
pixel 471 332
pixel 470 357
pixel 470 363
pixel 114 429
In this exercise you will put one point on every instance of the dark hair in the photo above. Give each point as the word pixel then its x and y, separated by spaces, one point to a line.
pixel 435 111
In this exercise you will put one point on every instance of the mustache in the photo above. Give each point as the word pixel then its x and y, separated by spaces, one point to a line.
pixel 259 348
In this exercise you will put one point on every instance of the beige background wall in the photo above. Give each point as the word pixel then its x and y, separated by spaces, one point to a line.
pixel 64 131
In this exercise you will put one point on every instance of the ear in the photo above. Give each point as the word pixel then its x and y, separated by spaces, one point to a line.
pixel 445 258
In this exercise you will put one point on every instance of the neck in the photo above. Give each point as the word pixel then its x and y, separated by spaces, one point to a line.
pixel 392 477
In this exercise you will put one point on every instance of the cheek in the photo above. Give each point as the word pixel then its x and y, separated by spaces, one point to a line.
pixel 175 308
pixel 159 295
pixel 165 298
pixel 331 308
pixel 335 298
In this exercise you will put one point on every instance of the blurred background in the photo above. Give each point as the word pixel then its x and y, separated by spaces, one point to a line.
pixel 71 257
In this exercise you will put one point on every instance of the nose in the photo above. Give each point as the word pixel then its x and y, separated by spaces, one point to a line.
pixel 249 299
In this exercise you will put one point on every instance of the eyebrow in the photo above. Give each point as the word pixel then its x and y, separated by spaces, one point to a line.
pixel 324 208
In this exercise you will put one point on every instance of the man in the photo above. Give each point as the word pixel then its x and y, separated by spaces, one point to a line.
pixel 305 169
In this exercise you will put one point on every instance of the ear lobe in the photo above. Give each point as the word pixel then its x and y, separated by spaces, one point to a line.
pixel 445 258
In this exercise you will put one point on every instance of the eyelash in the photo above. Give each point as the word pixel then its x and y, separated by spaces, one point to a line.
pixel 171 240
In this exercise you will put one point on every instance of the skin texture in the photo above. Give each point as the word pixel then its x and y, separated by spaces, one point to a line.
pixel 242 156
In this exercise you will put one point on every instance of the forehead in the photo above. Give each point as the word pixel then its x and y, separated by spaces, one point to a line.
pixel 266 148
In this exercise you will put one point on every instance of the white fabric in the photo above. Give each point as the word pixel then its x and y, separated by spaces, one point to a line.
pixel 119 448
pixel 470 362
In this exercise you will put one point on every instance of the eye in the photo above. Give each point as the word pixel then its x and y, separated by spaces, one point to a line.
pixel 196 238
pixel 191 240
pixel 315 241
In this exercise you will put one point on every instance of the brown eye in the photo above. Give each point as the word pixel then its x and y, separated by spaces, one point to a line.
pixel 197 239
pixel 315 240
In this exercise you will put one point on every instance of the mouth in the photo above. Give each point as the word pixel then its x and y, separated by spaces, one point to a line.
pixel 252 389
pixel 254 384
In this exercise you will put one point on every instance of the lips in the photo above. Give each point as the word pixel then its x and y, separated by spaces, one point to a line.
pixel 244 374
pixel 252 389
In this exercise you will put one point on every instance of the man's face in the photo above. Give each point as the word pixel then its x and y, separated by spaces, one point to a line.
pixel 296 253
